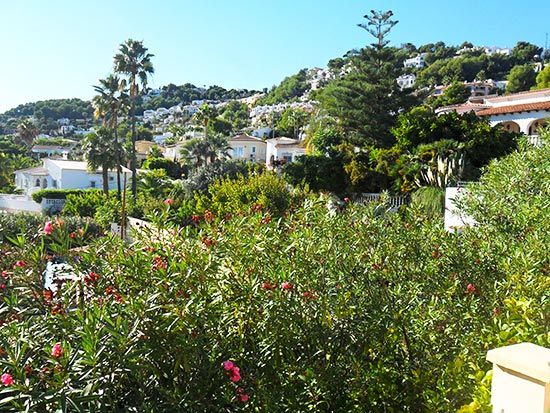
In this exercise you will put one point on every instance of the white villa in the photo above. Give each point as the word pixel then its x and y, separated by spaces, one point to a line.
pixel 417 61
pixel 248 148
pixel 63 174
pixel 284 150
pixel 519 112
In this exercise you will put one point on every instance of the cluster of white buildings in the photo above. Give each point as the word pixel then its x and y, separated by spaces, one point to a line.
pixel 261 115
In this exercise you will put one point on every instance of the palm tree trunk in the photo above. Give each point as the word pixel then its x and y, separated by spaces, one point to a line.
pixel 133 161
pixel 105 173
pixel 118 161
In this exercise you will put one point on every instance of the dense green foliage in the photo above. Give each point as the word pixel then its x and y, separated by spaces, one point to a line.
pixel 173 169
pixel 265 192
pixel 52 109
pixel 521 78
pixel 172 95
pixel 57 193
pixel 321 309
pixel 290 88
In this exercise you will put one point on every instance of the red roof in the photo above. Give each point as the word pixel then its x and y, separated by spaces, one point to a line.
pixel 525 107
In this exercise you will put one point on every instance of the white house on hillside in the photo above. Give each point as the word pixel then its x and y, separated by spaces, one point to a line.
pixel 248 148
pixel 417 61
pixel 284 150
pixel 62 174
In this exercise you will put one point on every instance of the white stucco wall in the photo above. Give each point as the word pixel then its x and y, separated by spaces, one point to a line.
pixel 454 219
pixel 524 120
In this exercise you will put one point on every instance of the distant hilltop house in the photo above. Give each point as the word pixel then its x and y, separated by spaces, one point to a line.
pixel 417 61
pixel 478 90
pixel 63 174
pixel 406 81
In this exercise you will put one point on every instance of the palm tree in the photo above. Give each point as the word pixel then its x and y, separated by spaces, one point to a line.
pixel 134 62
pixel 204 116
pixel 99 153
pixel 218 147
pixel 108 105
pixel 197 151
pixel 27 132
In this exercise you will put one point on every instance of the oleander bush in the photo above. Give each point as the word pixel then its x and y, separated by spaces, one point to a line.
pixel 312 310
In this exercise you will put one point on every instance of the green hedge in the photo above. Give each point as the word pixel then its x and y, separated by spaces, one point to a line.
pixel 58 193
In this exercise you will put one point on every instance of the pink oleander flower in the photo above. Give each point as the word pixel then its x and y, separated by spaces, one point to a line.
pixel 20 264
pixel 4 274
pixel 286 286
pixel 7 379
pixel 56 350
pixel 48 228
pixel 228 365
pixel 169 201
pixel 470 289
pixel 242 398
pixel 236 375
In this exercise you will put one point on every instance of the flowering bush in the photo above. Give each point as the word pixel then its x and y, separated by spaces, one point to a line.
pixel 308 311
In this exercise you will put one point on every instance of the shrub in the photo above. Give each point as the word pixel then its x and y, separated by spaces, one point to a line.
pixel 320 312
pixel 203 177
pixel 84 203
pixel 429 200
pixel 55 193
pixel 236 196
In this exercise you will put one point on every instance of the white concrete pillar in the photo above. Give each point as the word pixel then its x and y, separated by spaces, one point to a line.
pixel 521 379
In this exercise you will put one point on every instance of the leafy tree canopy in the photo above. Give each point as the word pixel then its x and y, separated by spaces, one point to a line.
pixel 521 78
pixel 290 88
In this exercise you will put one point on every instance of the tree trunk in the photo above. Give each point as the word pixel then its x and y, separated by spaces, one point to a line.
pixel 118 161
pixel 133 161
pixel 105 173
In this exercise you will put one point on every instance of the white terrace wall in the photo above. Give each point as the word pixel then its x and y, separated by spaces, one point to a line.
pixel 454 219
pixel 19 203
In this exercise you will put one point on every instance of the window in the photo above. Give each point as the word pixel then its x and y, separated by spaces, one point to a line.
pixel 92 184
pixel 238 152
pixel 111 178
pixel 253 149
pixel 37 182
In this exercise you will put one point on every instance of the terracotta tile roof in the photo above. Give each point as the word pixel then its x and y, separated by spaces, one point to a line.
pixel 241 138
pixel 525 107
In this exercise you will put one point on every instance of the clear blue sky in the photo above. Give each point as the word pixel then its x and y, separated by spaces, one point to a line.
pixel 60 48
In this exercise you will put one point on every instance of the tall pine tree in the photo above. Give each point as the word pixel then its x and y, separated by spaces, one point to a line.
pixel 366 101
